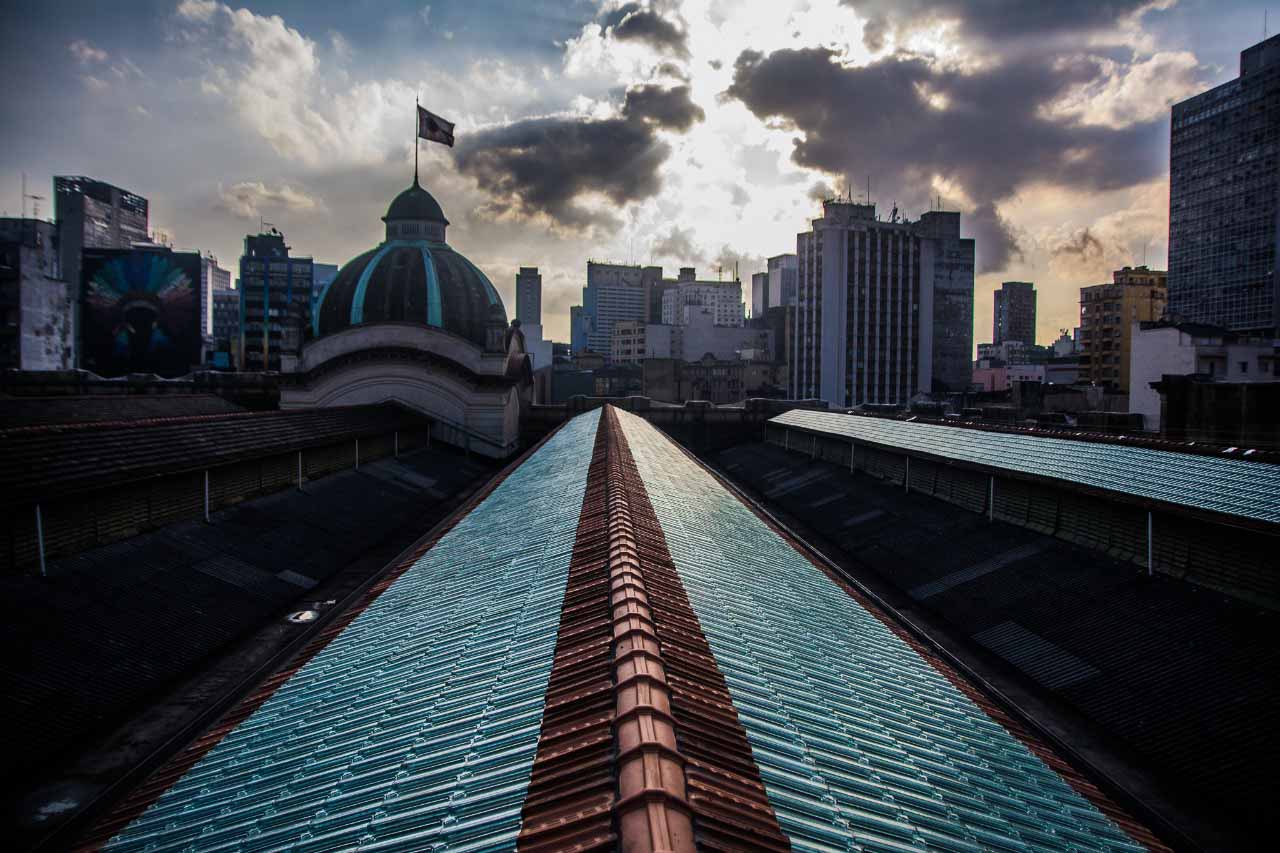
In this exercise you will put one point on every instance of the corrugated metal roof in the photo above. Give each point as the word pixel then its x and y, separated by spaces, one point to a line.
pixel 41 462
pixel 417 725
pixel 90 628
pixel 857 737
pixel 1230 486
pixel 1186 673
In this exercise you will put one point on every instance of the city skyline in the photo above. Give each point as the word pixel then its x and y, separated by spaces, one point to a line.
pixel 660 134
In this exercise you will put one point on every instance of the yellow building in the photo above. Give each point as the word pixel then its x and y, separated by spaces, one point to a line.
pixel 1107 315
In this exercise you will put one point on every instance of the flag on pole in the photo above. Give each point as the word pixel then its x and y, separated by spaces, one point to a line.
pixel 433 128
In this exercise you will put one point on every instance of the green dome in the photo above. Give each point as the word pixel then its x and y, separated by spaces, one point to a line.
pixel 415 203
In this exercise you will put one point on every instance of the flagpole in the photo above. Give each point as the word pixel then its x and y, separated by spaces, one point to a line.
pixel 415 139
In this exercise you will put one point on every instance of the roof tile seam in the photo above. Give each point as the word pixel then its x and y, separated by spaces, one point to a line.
pixel 152 787
pixel 572 788
pixel 652 811
pixel 1074 777
pixel 725 792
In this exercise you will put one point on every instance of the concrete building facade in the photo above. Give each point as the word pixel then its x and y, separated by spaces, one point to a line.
pixel 1224 192
pixel 614 292
pixel 865 321
pixel 35 302
pixel 1108 313
pixel 1185 349
pixel 93 214
pixel 953 268
pixel 759 294
pixel 529 296
pixel 1015 313
pixel 213 279
pixel 633 341
pixel 275 301
pixel 322 275
pixel 722 298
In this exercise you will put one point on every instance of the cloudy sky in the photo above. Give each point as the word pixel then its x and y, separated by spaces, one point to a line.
pixel 680 133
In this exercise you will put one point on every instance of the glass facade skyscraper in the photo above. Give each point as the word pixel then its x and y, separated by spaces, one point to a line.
pixel 1224 182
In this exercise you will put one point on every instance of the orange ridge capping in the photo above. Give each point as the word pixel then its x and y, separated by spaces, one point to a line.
pixel 731 809
pixel 140 797
pixel 652 812
pixel 1075 777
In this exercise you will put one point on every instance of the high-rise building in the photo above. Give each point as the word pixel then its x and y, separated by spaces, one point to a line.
pixel 35 302
pixel 722 298
pixel 1015 313
pixel 782 280
pixel 226 328
pixel 613 292
pixel 213 279
pixel 93 214
pixel 529 296
pixel 953 266
pixel 1108 313
pixel 1224 188
pixel 775 287
pixel 275 301
pixel 322 275
pixel 865 321
pixel 759 294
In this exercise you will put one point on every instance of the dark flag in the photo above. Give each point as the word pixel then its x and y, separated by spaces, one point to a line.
pixel 434 128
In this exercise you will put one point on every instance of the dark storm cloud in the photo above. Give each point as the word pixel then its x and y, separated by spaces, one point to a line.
pixel 1083 246
pixel 543 165
pixel 993 19
pixel 646 25
pixel 993 238
pixel 671 108
pixel 671 69
pixel 990 138
pixel 677 244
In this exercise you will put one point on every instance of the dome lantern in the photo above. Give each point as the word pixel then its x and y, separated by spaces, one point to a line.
pixel 415 215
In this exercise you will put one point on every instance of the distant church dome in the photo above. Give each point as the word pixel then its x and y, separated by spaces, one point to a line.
pixel 413 276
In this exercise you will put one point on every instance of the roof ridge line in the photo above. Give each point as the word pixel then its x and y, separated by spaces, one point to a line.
pixel 652 811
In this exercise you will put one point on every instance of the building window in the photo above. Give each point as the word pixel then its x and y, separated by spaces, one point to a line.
pixel 1244 367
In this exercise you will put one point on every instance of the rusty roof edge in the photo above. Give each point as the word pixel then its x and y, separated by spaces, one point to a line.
pixel 652 812
pixel 1161 827
pixel 83 830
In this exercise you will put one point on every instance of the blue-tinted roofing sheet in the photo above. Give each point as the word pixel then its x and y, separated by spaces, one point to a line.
pixel 1231 486
pixel 861 743
pixel 416 727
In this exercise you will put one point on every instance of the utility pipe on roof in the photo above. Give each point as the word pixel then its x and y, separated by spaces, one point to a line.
pixel 206 495
pixel 299 470
pixel 1150 566
pixel 991 499
pixel 395 437
pixel 906 477
pixel 357 454
pixel 40 541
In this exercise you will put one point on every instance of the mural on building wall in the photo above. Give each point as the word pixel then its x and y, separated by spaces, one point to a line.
pixel 141 312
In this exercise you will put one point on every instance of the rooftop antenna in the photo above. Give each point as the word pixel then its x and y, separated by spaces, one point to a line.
pixel 35 199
